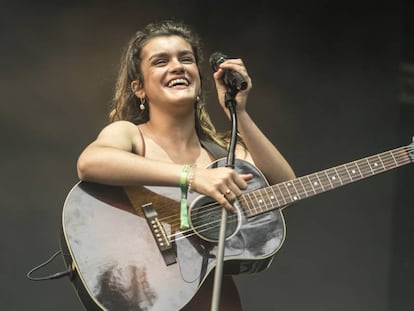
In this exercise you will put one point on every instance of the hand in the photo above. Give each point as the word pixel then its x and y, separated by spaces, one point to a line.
pixel 241 97
pixel 222 184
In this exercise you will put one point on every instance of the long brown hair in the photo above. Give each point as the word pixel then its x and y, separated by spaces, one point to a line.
pixel 125 104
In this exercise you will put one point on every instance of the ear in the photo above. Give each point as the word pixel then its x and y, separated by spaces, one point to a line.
pixel 137 89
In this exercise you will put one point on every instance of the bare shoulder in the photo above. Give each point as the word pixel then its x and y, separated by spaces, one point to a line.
pixel 120 134
pixel 119 127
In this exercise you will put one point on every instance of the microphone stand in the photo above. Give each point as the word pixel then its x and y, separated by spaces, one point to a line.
pixel 231 105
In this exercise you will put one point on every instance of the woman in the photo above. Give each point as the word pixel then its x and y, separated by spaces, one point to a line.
pixel 158 122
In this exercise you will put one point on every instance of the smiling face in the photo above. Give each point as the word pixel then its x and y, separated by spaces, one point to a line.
pixel 169 70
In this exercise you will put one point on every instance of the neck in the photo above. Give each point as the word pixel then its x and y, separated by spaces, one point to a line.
pixel 172 130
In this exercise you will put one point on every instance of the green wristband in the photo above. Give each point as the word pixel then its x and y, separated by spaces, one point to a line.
pixel 184 190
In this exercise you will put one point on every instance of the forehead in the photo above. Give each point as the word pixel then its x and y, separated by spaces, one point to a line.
pixel 165 44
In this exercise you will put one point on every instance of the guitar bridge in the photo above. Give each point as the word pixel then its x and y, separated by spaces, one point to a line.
pixel 158 232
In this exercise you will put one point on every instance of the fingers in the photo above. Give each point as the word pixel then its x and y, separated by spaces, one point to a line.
pixel 232 189
pixel 225 196
pixel 236 185
pixel 222 184
pixel 226 203
pixel 231 195
pixel 235 65
pixel 232 63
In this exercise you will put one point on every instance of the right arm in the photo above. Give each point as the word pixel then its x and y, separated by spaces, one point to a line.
pixel 114 158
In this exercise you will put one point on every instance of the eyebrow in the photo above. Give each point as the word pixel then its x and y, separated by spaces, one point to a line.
pixel 163 54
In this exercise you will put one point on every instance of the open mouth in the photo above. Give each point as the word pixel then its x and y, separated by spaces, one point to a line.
pixel 178 82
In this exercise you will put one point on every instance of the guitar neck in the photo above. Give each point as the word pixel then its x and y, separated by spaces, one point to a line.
pixel 282 194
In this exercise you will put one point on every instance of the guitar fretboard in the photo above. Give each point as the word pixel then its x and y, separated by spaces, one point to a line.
pixel 282 194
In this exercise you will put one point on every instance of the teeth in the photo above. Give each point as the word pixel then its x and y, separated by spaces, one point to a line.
pixel 177 81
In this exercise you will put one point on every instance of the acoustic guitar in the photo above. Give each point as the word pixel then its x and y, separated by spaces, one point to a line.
pixel 127 251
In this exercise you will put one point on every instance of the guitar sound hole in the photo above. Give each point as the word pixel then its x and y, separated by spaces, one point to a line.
pixel 205 217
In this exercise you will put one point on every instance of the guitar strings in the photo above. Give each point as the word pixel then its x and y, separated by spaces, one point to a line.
pixel 394 158
pixel 175 219
pixel 207 226
pixel 204 213
pixel 364 168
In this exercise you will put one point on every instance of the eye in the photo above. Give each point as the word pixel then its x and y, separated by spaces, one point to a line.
pixel 159 62
pixel 188 60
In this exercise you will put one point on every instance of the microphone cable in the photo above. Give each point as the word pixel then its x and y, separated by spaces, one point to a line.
pixel 54 276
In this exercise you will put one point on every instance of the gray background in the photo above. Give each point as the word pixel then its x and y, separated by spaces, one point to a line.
pixel 331 85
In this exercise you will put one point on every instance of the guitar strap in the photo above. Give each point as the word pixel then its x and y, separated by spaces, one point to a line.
pixel 216 150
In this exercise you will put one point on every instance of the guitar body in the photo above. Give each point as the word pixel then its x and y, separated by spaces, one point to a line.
pixel 108 240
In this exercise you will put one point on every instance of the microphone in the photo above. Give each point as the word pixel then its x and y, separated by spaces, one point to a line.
pixel 232 79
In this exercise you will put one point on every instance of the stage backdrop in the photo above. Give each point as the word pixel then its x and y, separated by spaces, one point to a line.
pixel 326 91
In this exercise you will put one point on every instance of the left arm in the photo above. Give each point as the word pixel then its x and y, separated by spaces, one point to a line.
pixel 260 150
pixel 263 153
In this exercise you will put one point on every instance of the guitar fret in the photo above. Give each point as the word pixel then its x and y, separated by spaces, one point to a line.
pixel 282 194
pixel 382 162
pixel 263 201
pixel 256 202
pixel 397 161
pixel 365 167
pixel 394 159
pixel 359 170
pixel 276 187
pixel 321 183
pixel 293 190
pixel 292 186
pixel 338 176
pixel 332 177
pixel 406 155
pixel 355 172
pixel 369 165
pixel 276 196
pixel 250 204
pixel 373 160
pixel 400 159
pixel 343 174
pixel 272 197
pixel 324 178
pixel 316 183
pixel 286 193
pixel 347 171
pixel 311 184
pixel 303 190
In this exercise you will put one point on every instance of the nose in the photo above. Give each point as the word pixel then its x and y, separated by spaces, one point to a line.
pixel 176 66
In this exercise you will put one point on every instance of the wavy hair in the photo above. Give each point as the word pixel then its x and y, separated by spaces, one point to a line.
pixel 125 105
